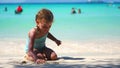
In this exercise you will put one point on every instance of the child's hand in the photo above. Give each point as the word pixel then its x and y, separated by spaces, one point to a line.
pixel 38 61
pixel 58 42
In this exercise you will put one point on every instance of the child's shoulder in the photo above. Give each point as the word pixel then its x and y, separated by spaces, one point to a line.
pixel 32 31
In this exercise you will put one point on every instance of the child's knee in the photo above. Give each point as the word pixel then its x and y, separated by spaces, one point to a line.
pixel 39 55
pixel 53 56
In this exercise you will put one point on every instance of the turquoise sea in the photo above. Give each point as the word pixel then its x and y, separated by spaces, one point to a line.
pixel 96 21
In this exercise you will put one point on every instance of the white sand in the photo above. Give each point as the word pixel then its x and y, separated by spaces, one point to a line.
pixel 72 54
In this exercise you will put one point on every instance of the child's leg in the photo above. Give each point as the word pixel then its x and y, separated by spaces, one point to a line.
pixel 50 54
pixel 41 56
pixel 37 53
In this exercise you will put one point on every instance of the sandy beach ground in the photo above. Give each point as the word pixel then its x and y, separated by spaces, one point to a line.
pixel 72 54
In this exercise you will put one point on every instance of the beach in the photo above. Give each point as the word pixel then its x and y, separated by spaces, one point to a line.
pixel 89 40
pixel 76 55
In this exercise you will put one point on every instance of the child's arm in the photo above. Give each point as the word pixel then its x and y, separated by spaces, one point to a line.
pixel 31 42
pixel 50 36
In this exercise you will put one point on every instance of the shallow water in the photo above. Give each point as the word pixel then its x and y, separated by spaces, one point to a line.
pixel 97 21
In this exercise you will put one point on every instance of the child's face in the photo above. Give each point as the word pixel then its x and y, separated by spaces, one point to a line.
pixel 44 26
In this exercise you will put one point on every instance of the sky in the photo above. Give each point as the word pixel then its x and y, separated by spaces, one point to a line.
pixel 52 1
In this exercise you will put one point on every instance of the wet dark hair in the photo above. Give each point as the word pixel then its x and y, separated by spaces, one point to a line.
pixel 44 14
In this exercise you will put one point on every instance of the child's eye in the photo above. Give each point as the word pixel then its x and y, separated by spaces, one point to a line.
pixel 46 27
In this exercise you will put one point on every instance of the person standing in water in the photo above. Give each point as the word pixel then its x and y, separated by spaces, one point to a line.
pixel 79 11
pixel 19 9
pixel 73 11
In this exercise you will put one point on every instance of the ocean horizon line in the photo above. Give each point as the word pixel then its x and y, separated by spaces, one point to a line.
pixel 67 3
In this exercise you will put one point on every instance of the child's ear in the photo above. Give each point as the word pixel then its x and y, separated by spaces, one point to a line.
pixel 37 22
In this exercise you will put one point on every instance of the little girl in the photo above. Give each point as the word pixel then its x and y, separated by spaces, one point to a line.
pixel 36 49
